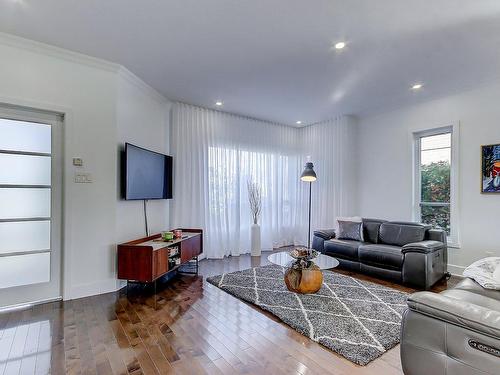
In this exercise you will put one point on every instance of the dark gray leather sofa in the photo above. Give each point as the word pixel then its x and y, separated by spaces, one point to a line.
pixel 410 253
pixel 456 332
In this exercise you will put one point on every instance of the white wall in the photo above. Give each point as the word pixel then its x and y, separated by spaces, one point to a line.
pixel 385 168
pixel 105 105
pixel 143 119
pixel 101 108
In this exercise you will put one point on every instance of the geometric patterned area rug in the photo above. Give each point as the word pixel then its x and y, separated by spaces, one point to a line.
pixel 356 319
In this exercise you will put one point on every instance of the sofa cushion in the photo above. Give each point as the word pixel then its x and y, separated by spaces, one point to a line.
pixel 381 273
pixel 371 228
pixel 343 248
pixel 474 298
pixel 383 256
pixel 401 233
pixel 474 287
pixel 350 230
pixel 354 219
pixel 457 311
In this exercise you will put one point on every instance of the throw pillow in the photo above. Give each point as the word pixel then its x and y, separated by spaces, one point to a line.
pixel 350 230
pixel 354 219
pixel 486 272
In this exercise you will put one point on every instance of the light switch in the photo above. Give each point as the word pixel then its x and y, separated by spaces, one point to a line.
pixel 83 178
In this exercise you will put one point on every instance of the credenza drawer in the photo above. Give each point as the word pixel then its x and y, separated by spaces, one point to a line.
pixel 190 248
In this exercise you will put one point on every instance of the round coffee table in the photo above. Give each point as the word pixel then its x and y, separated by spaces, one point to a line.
pixel 301 276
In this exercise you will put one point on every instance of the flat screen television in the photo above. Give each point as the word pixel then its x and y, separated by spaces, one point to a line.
pixel 147 174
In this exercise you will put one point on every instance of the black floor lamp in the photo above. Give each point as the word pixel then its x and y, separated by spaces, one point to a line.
pixel 309 176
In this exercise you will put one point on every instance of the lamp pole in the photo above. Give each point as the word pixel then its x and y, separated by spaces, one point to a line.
pixel 308 175
pixel 309 231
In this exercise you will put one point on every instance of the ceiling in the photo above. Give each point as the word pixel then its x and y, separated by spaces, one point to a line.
pixel 273 59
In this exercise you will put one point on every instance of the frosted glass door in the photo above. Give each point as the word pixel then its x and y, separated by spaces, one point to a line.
pixel 30 179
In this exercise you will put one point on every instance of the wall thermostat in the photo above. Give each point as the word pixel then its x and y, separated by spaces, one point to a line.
pixel 78 162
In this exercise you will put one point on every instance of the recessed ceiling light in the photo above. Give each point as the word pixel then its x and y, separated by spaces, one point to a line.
pixel 416 86
pixel 219 103
pixel 339 45
pixel 298 122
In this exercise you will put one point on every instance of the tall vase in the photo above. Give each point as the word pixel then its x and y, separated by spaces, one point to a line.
pixel 255 240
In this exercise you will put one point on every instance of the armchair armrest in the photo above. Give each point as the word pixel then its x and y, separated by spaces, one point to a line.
pixel 464 314
pixel 424 247
pixel 325 234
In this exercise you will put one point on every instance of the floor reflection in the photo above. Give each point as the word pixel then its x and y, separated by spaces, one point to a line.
pixel 25 348
pixel 164 291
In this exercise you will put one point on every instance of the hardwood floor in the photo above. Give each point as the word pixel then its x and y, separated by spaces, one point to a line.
pixel 187 327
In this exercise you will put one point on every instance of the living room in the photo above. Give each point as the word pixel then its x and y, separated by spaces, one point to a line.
pixel 278 187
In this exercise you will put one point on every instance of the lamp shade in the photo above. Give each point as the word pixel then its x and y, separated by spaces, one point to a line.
pixel 308 175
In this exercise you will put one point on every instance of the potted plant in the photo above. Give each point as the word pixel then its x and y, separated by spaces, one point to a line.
pixel 255 200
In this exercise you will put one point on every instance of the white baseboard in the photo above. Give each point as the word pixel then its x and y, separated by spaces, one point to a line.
pixel 22 306
pixel 455 270
pixel 94 288
pixel 121 284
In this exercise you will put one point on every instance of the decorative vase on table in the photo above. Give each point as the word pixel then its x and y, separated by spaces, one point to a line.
pixel 255 202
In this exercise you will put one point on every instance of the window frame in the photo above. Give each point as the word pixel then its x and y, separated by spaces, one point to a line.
pixel 454 237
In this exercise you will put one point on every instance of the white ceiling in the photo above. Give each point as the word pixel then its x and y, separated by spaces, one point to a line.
pixel 273 59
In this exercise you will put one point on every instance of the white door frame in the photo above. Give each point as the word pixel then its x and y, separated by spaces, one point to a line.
pixel 31 294
pixel 67 187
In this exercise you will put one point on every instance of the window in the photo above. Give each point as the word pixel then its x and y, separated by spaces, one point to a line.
pixel 435 188
pixel 229 218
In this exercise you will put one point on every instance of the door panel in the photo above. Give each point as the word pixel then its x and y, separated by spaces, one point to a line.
pixel 24 236
pixel 25 170
pixel 24 269
pixel 25 136
pixel 24 203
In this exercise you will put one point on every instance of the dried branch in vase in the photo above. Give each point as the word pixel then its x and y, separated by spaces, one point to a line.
pixel 255 200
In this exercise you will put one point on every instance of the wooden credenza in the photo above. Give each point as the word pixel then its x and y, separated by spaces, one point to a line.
pixel 146 259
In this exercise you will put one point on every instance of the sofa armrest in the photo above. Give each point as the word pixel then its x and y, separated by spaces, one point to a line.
pixel 325 234
pixel 460 313
pixel 436 235
pixel 424 247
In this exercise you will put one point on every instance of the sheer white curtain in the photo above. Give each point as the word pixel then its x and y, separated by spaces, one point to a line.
pixel 216 153
pixel 331 146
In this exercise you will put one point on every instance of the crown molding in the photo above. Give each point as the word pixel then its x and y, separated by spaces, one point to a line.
pixel 53 51
pixel 80 58
pixel 140 84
